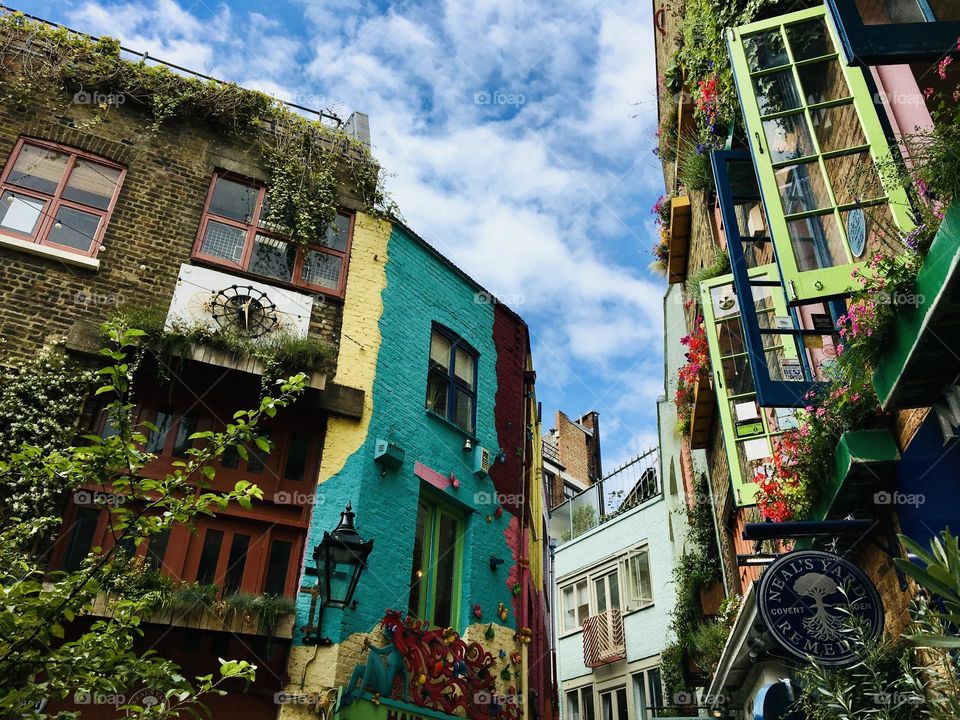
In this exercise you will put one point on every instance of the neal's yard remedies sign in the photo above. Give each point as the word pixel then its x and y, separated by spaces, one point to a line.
pixel 803 597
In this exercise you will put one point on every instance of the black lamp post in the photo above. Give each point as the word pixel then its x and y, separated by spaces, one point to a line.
pixel 339 559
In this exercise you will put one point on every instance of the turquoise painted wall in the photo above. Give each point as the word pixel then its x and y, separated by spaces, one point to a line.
pixel 420 290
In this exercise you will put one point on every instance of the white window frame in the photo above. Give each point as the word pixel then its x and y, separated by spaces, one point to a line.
pixel 643 707
pixel 611 692
pixel 632 595
pixel 578 692
pixel 564 630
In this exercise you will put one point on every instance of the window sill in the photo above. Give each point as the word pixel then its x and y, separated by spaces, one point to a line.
pixel 452 425
pixel 39 250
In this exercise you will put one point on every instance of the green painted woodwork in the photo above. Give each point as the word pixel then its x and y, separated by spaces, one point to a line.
pixel 747 439
pixel 863 465
pixel 922 354
pixel 433 551
pixel 817 142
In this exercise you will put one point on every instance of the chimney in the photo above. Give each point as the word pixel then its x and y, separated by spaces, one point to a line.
pixel 358 127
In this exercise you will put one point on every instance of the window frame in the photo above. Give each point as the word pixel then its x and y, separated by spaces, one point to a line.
pixel 53 202
pixel 252 229
pixel 429 560
pixel 578 693
pixel 454 383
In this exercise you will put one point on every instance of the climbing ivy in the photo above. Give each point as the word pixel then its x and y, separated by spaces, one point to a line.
pixel 307 162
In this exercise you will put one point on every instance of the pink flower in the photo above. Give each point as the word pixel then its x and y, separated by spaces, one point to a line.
pixel 928 93
pixel 839 349
pixel 855 397
pixel 942 67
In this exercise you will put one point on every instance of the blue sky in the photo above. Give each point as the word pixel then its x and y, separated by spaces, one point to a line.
pixel 519 139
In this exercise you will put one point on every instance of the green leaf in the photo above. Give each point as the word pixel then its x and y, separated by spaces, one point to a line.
pixel 57 630
pixel 263 443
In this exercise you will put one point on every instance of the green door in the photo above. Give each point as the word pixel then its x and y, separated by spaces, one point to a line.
pixel 820 152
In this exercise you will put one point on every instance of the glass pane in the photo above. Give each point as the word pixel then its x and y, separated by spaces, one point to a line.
pixel 230 458
pixel 187 427
pixel 277 567
pixel 823 81
pixel 788 138
pixel 614 585
pixel 20 212
pixel 837 128
pixel 656 692
pixel 569 610
pixel 802 188
pixel 91 184
pixel 573 705
pixel 413 601
pixel 854 178
pixel 209 556
pixel 643 572
pixel 583 603
pixel 236 564
pixel 273 258
pixel 157 549
pixel 74 228
pixel 738 379
pixel 321 269
pixel 337 233
pixel 446 568
pixel 944 10
pixel 809 39
pixel 440 350
pixel 622 704
pixel 776 92
pixel 463 412
pixel 885 12
pixel 600 588
pixel 730 337
pixel 876 224
pixel 296 464
pixel 606 707
pixel 258 458
pixel 724 301
pixel 81 537
pixel 158 438
pixel 765 50
pixel 234 200
pixel 639 698
pixel 38 169
pixel 464 367
pixel 438 385
pixel 223 241
pixel 586 702
pixel 816 242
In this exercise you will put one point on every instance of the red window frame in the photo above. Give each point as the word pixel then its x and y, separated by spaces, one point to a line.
pixel 53 203
pixel 253 228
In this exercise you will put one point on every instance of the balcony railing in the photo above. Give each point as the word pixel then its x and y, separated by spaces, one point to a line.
pixel 550 452
pixel 603 641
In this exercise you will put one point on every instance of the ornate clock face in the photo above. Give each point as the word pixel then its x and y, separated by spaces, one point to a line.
pixel 245 309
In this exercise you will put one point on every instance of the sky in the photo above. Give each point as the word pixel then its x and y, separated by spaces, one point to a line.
pixel 518 137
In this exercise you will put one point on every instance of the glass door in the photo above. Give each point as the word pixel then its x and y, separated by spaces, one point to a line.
pixel 820 152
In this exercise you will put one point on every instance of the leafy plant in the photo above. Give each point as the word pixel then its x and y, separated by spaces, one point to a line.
pixel 707 643
pixel 719 266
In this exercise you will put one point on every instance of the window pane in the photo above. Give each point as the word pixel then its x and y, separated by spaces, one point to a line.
pixel 788 138
pixel 639 697
pixel 641 565
pixel 446 567
pixel 38 169
pixel 586 702
pixel 606 707
pixel 802 188
pixel 809 39
pixel 464 367
pixel 223 241
pixel 277 567
pixel 91 184
pixel 656 692
pixel 81 537
pixel 234 200
pixel 258 458
pixel 157 549
pixel 573 705
pixel 337 233
pixel 413 602
pixel 816 242
pixel 583 602
pixel 236 564
pixel 20 212
pixel 853 178
pixel 569 609
pixel 765 50
pixel 463 411
pixel 437 388
pixel 600 588
pixel 157 439
pixel 209 556
pixel 613 583
pixel 440 350
pixel 823 81
pixel 273 258
pixel 837 128
pixel 186 428
pixel 296 464
pixel 230 458
pixel 776 92
pixel 74 228
pixel 321 269
pixel 622 703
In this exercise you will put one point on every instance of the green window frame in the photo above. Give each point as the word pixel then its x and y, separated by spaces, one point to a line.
pixel 437 575
pixel 747 429
pixel 817 143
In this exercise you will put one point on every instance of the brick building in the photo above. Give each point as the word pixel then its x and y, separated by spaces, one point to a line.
pixel 571 456
pixel 421 418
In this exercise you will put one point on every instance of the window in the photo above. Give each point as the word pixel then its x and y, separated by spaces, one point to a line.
pixel 234 231
pixel 635 578
pixel 613 704
pixel 580 704
pixel 157 549
pixel 437 557
pixel 277 567
pixel 209 556
pixel 647 694
pixel 606 591
pixel 58 197
pixel 81 537
pixel 575 603
pixel 236 563
pixel 452 379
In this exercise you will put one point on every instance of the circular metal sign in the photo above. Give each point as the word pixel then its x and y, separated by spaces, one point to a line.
pixel 857 231
pixel 801 600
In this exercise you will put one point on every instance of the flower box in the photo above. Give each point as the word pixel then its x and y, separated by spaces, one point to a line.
pixel 679 239
pixel 922 358
pixel 711 598
pixel 244 363
pixel 702 413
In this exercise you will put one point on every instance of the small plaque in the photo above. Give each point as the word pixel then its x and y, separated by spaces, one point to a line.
pixel 822 322
pixel 791 369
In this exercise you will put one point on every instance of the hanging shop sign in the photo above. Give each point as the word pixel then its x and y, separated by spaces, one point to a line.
pixel 804 598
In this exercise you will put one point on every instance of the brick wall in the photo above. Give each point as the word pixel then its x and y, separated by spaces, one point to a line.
pixel 150 233
pixel 576 449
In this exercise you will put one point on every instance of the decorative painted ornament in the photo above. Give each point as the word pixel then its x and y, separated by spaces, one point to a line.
pixel 454 483
pixel 505 674
pixel 489 518
pixel 498 512
pixel 503 612
pixel 503 653
pixel 477 611
pixel 515 658
pixel 489 634
pixel 375 699
pixel 516 589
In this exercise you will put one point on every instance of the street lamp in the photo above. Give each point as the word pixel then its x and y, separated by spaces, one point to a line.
pixel 339 560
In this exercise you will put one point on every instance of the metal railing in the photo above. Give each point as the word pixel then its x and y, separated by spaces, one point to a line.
pixel 550 452
pixel 603 640
pixel 632 484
